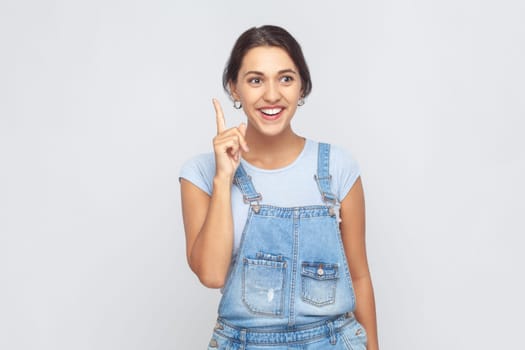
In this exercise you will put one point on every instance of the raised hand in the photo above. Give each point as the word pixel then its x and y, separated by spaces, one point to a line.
pixel 228 145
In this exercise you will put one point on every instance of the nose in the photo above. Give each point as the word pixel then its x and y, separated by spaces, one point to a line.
pixel 272 93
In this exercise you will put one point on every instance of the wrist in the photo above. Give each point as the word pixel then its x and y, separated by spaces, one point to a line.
pixel 221 180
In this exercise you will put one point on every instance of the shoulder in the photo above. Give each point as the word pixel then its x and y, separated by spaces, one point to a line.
pixel 342 157
pixel 344 169
pixel 200 171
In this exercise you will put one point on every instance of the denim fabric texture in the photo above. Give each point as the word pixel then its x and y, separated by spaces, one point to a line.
pixel 290 283
pixel 341 333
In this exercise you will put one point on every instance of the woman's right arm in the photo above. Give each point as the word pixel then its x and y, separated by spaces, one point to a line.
pixel 208 220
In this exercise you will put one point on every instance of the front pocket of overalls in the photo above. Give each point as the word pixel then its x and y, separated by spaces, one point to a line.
pixel 319 281
pixel 354 335
pixel 263 284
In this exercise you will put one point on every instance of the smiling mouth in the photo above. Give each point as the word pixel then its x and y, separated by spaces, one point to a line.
pixel 271 113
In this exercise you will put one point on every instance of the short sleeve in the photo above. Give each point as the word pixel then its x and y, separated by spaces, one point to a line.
pixel 200 171
pixel 344 169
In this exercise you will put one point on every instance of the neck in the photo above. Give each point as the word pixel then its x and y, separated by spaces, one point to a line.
pixel 272 152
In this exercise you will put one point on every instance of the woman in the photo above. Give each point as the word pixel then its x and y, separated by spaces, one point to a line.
pixel 276 220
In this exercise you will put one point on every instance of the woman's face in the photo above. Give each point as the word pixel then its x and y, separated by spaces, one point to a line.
pixel 269 88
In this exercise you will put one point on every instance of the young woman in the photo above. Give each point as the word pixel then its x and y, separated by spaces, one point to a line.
pixel 276 220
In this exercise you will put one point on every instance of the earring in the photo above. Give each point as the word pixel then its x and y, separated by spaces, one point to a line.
pixel 237 104
pixel 301 102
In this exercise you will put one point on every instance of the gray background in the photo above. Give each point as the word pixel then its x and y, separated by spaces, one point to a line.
pixel 102 101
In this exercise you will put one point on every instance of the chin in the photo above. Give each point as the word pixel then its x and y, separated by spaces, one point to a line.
pixel 271 130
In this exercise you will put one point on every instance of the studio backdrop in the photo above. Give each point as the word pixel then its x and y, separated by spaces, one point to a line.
pixel 101 102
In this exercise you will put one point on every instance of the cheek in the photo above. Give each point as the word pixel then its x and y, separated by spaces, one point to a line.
pixel 298 91
pixel 295 96
pixel 249 95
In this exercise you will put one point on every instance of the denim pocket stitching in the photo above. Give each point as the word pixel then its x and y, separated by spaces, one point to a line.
pixel 351 339
pixel 319 281
pixel 263 281
pixel 219 342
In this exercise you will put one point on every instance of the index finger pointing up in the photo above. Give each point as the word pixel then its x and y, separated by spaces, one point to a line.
pixel 221 124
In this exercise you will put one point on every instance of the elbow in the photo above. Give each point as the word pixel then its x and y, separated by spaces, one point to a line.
pixel 210 281
pixel 210 278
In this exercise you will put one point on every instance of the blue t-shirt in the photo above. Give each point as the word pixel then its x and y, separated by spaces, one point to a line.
pixel 291 186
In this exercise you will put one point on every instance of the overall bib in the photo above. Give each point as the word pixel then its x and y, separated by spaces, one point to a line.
pixel 289 286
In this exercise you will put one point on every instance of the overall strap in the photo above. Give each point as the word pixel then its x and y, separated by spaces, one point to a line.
pixel 244 182
pixel 323 177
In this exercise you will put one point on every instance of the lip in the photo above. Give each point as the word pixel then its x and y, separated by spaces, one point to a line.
pixel 273 116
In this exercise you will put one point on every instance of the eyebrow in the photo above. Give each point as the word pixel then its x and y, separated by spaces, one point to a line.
pixel 279 72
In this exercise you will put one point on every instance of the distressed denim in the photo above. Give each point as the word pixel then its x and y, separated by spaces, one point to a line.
pixel 290 282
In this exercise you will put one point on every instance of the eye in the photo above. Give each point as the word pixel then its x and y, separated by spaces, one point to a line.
pixel 287 79
pixel 254 81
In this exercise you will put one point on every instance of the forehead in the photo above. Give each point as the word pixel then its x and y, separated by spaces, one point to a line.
pixel 267 59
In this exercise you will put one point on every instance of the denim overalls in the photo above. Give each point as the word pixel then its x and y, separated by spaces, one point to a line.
pixel 290 286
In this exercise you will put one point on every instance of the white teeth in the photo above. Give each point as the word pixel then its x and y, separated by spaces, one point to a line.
pixel 271 111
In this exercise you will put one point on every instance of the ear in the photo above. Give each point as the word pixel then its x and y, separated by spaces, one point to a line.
pixel 233 91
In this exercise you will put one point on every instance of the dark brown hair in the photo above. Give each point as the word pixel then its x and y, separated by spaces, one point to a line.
pixel 267 35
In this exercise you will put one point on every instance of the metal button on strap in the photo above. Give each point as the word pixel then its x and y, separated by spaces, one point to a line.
pixel 213 343
pixel 320 270
pixel 358 331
